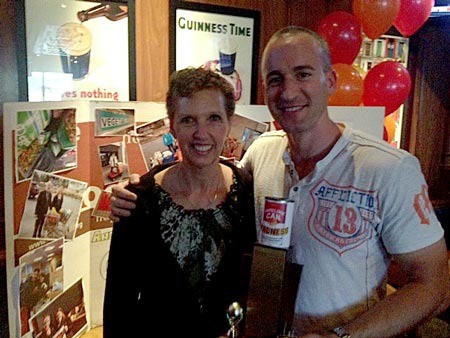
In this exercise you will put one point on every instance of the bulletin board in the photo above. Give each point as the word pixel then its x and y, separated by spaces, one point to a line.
pixel 60 161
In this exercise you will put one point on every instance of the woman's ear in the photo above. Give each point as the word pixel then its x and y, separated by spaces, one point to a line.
pixel 230 119
pixel 172 131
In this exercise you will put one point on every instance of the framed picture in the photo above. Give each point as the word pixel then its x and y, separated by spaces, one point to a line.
pixel 223 39
pixel 76 50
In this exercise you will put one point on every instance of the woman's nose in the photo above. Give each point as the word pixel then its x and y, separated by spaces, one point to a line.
pixel 201 129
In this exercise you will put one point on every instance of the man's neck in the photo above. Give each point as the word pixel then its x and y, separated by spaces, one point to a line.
pixel 308 148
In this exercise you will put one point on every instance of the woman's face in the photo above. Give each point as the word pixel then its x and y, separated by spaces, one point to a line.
pixel 201 126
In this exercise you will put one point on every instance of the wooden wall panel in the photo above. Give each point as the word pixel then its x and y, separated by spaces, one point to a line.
pixel 152 40
pixel 308 13
pixel 9 92
pixel 152 49
pixel 426 132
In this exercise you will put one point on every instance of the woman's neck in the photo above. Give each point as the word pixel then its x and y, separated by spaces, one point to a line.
pixel 195 179
pixel 199 189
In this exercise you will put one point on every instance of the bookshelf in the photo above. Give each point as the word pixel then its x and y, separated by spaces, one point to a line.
pixel 384 48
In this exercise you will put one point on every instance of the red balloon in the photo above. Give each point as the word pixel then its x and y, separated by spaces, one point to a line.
pixel 349 86
pixel 412 15
pixel 376 16
pixel 387 85
pixel 343 33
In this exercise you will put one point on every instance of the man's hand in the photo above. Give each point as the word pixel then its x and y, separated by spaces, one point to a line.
pixel 123 200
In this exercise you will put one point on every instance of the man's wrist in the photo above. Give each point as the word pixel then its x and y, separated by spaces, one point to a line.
pixel 340 332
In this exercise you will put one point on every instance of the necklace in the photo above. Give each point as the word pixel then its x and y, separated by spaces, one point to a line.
pixel 201 198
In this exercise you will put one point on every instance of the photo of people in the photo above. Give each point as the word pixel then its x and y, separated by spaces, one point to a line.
pixel 64 317
pixel 52 206
pixel 114 122
pixel 243 132
pixel 45 140
pixel 41 275
pixel 113 159
pixel 157 143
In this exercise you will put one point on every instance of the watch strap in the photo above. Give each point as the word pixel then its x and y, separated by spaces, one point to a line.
pixel 340 332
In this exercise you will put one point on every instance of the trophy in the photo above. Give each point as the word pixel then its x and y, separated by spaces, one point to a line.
pixel 235 313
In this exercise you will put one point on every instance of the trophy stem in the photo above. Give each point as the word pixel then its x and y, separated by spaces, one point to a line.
pixel 235 313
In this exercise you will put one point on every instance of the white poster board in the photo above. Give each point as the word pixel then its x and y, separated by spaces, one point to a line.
pixel 82 137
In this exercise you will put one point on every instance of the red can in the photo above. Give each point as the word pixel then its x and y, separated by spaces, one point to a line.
pixel 276 225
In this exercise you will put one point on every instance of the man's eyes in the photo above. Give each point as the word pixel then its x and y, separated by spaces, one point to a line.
pixel 302 75
pixel 277 80
pixel 215 117
pixel 273 81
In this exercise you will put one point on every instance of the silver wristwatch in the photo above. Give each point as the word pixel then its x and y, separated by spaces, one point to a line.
pixel 340 332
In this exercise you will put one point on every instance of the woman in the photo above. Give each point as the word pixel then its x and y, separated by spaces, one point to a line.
pixel 58 199
pixel 193 223
pixel 62 322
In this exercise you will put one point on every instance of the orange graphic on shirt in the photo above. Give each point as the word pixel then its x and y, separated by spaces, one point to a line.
pixel 423 206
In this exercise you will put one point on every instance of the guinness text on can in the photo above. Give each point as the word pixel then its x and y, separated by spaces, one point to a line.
pixel 276 226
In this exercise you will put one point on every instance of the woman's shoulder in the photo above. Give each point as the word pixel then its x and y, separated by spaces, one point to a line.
pixel 148 180
pixel 241 174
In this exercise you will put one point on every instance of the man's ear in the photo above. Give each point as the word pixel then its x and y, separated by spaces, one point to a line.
pixel 331 78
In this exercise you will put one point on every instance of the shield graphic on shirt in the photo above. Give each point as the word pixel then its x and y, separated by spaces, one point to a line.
pixel 342 218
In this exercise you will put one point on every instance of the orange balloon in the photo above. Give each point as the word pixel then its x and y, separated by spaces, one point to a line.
pixel 376 16
pixel 390 124
pixel 350 86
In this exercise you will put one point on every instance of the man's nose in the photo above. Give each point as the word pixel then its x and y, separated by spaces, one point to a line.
pixel 290 88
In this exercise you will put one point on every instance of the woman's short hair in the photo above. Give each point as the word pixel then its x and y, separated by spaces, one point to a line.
pixel 188 81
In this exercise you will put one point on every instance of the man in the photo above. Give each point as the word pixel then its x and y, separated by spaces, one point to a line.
pixel 43 203
pixel 359 204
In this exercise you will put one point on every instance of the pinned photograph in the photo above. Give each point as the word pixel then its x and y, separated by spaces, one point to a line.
pixel 157 143
pixel 64 317
pixel 242 134
pixel 45 140
pixel 113 159
pixel 103 206
pixel 114 122
pixel 25 245
pixel 52 207
pixel 41 280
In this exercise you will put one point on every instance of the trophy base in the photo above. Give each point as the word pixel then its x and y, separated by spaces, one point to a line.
pixel 272 292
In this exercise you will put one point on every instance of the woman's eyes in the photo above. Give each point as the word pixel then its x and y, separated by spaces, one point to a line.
pixel 186 120
pixel 191 120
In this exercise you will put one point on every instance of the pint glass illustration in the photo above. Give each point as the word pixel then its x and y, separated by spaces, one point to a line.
pixel 75 41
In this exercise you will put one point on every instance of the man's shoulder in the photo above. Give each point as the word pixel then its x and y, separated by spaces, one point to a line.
pixel 375 144
pixel 273 137
pixel 274 134
pixel 378 153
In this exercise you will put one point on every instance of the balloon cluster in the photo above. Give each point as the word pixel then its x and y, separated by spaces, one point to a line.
pixel 388 83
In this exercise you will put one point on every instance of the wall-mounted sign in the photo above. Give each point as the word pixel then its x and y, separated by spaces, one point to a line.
pixel 223 39
pixel 76 50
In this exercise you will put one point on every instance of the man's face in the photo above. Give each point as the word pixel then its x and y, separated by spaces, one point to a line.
pixel 296 86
